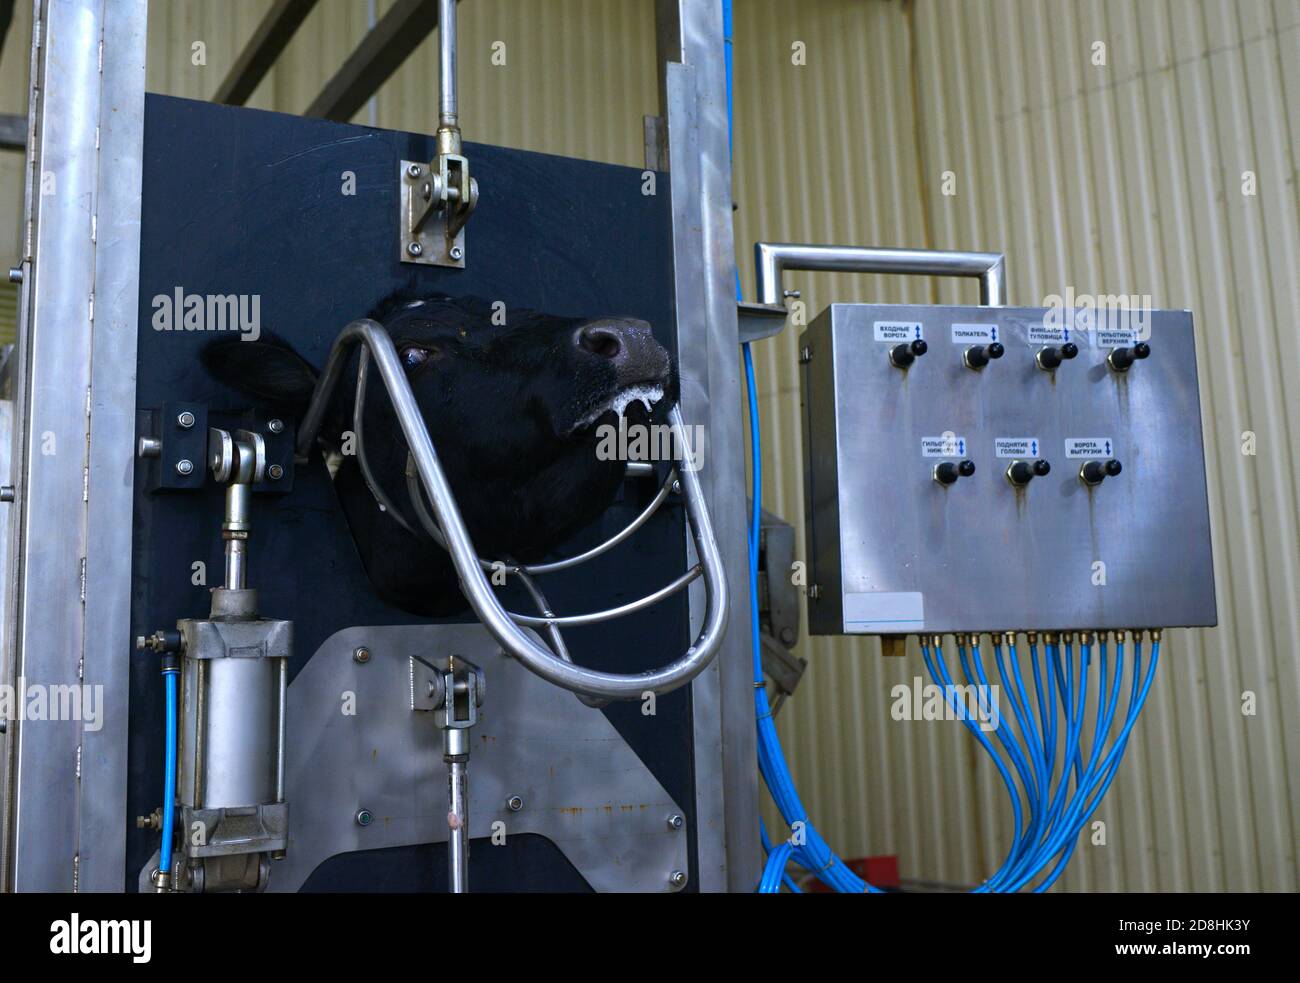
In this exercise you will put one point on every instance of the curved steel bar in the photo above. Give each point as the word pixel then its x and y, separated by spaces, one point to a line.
pixel 422 512
pixel 477 590
pixel 554 636
pixel 358 407
pixel 771 259
pixel 609 614
pixel 614 540
pixel 549 619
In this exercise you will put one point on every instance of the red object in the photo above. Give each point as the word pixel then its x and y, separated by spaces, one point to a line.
pixel 877 871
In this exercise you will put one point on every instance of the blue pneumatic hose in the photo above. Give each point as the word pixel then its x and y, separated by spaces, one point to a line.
pixel 169 674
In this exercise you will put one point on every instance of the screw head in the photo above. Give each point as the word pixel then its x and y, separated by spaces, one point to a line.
pixel 275 426
pixel 364 817
pixel 275 472
pixel 414 249
pixel 677 879
pixel 15 274
pixel 184 467
pixel 414 170
pixel 457 252
pixel 361 654
pixel 514 803
pixel 676 822
pixel 185 421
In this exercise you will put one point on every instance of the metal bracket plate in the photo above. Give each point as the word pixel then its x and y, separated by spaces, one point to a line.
pixel 423 231
pixel 582 787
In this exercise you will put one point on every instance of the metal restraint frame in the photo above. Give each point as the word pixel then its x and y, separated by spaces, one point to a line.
pixel 447 527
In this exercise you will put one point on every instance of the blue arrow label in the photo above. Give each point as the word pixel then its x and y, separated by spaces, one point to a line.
pixel 1033 447
pixel 961 447
pixel 918 332
pixel 1067 334
pixel 1108 447
pixel 995 332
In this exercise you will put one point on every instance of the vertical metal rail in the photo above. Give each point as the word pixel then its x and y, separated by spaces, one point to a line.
pixel 693 107
pixel 448 109
pixel 68 597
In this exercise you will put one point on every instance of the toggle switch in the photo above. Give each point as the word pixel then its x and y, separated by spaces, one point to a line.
pixel 978 356
pixel 1095 472
pixel 1121 358
pixel 901 356
pixel 947 473
pixel 1049 358
pixel 1021 473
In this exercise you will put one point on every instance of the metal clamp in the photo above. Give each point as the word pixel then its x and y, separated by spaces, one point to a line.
pixel 438 198
pixel 474 583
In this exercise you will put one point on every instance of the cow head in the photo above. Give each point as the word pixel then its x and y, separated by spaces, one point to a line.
pixel 513 401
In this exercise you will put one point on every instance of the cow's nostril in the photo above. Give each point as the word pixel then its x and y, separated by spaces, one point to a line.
pixel 600 342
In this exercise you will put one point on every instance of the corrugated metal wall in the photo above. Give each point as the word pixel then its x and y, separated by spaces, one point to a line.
pixel 1122 178
pixel 1117 179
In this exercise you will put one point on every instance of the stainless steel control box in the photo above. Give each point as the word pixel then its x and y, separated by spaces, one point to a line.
pixel 893 549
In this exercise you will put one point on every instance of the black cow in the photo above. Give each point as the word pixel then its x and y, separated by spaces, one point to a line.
pixel 513 411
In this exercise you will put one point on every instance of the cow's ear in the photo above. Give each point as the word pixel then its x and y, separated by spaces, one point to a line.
pixel 269 370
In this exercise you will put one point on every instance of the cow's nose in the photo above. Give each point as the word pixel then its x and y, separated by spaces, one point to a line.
pixel 629 345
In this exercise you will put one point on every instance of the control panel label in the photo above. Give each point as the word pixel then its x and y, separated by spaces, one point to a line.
pixel 948 445
pixel 1048 334
pixel 1077 447
pixel 883 612
pixel 898 331
pixel 1017 446
pixel 969 334
pixel 1116 337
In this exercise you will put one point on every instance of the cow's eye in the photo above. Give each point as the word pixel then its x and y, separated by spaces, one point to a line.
pixel 413 356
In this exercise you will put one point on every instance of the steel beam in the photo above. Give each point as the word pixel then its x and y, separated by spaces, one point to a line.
pixel 398 33
pixel 68 598
pixel 269 40
pixel 693 102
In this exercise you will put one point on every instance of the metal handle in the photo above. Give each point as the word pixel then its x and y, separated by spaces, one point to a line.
pixel 771 259
pixel 475 585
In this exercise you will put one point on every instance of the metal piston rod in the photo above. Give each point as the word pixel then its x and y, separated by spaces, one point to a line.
pixel 502 626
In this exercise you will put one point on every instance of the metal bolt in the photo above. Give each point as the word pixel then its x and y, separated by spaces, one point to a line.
pixel 275 426
pixel 361 654
pixel 149 447
pixel 185 421
pixel 457 252
pixel 677 879
pixel 413 170
pixel 805 355
pixel 364 817
pixel 275 472
pixel 414 249
pixel 814 591
pixel 6 493
pixel 426 191
pixel 184 467
pixel 15 274
pixel 514 803
pixel 676 822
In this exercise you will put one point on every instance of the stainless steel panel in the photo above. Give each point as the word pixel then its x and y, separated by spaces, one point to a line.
pixel 693 99
pixel 75 418
pixel 981 554
pixel 582 787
